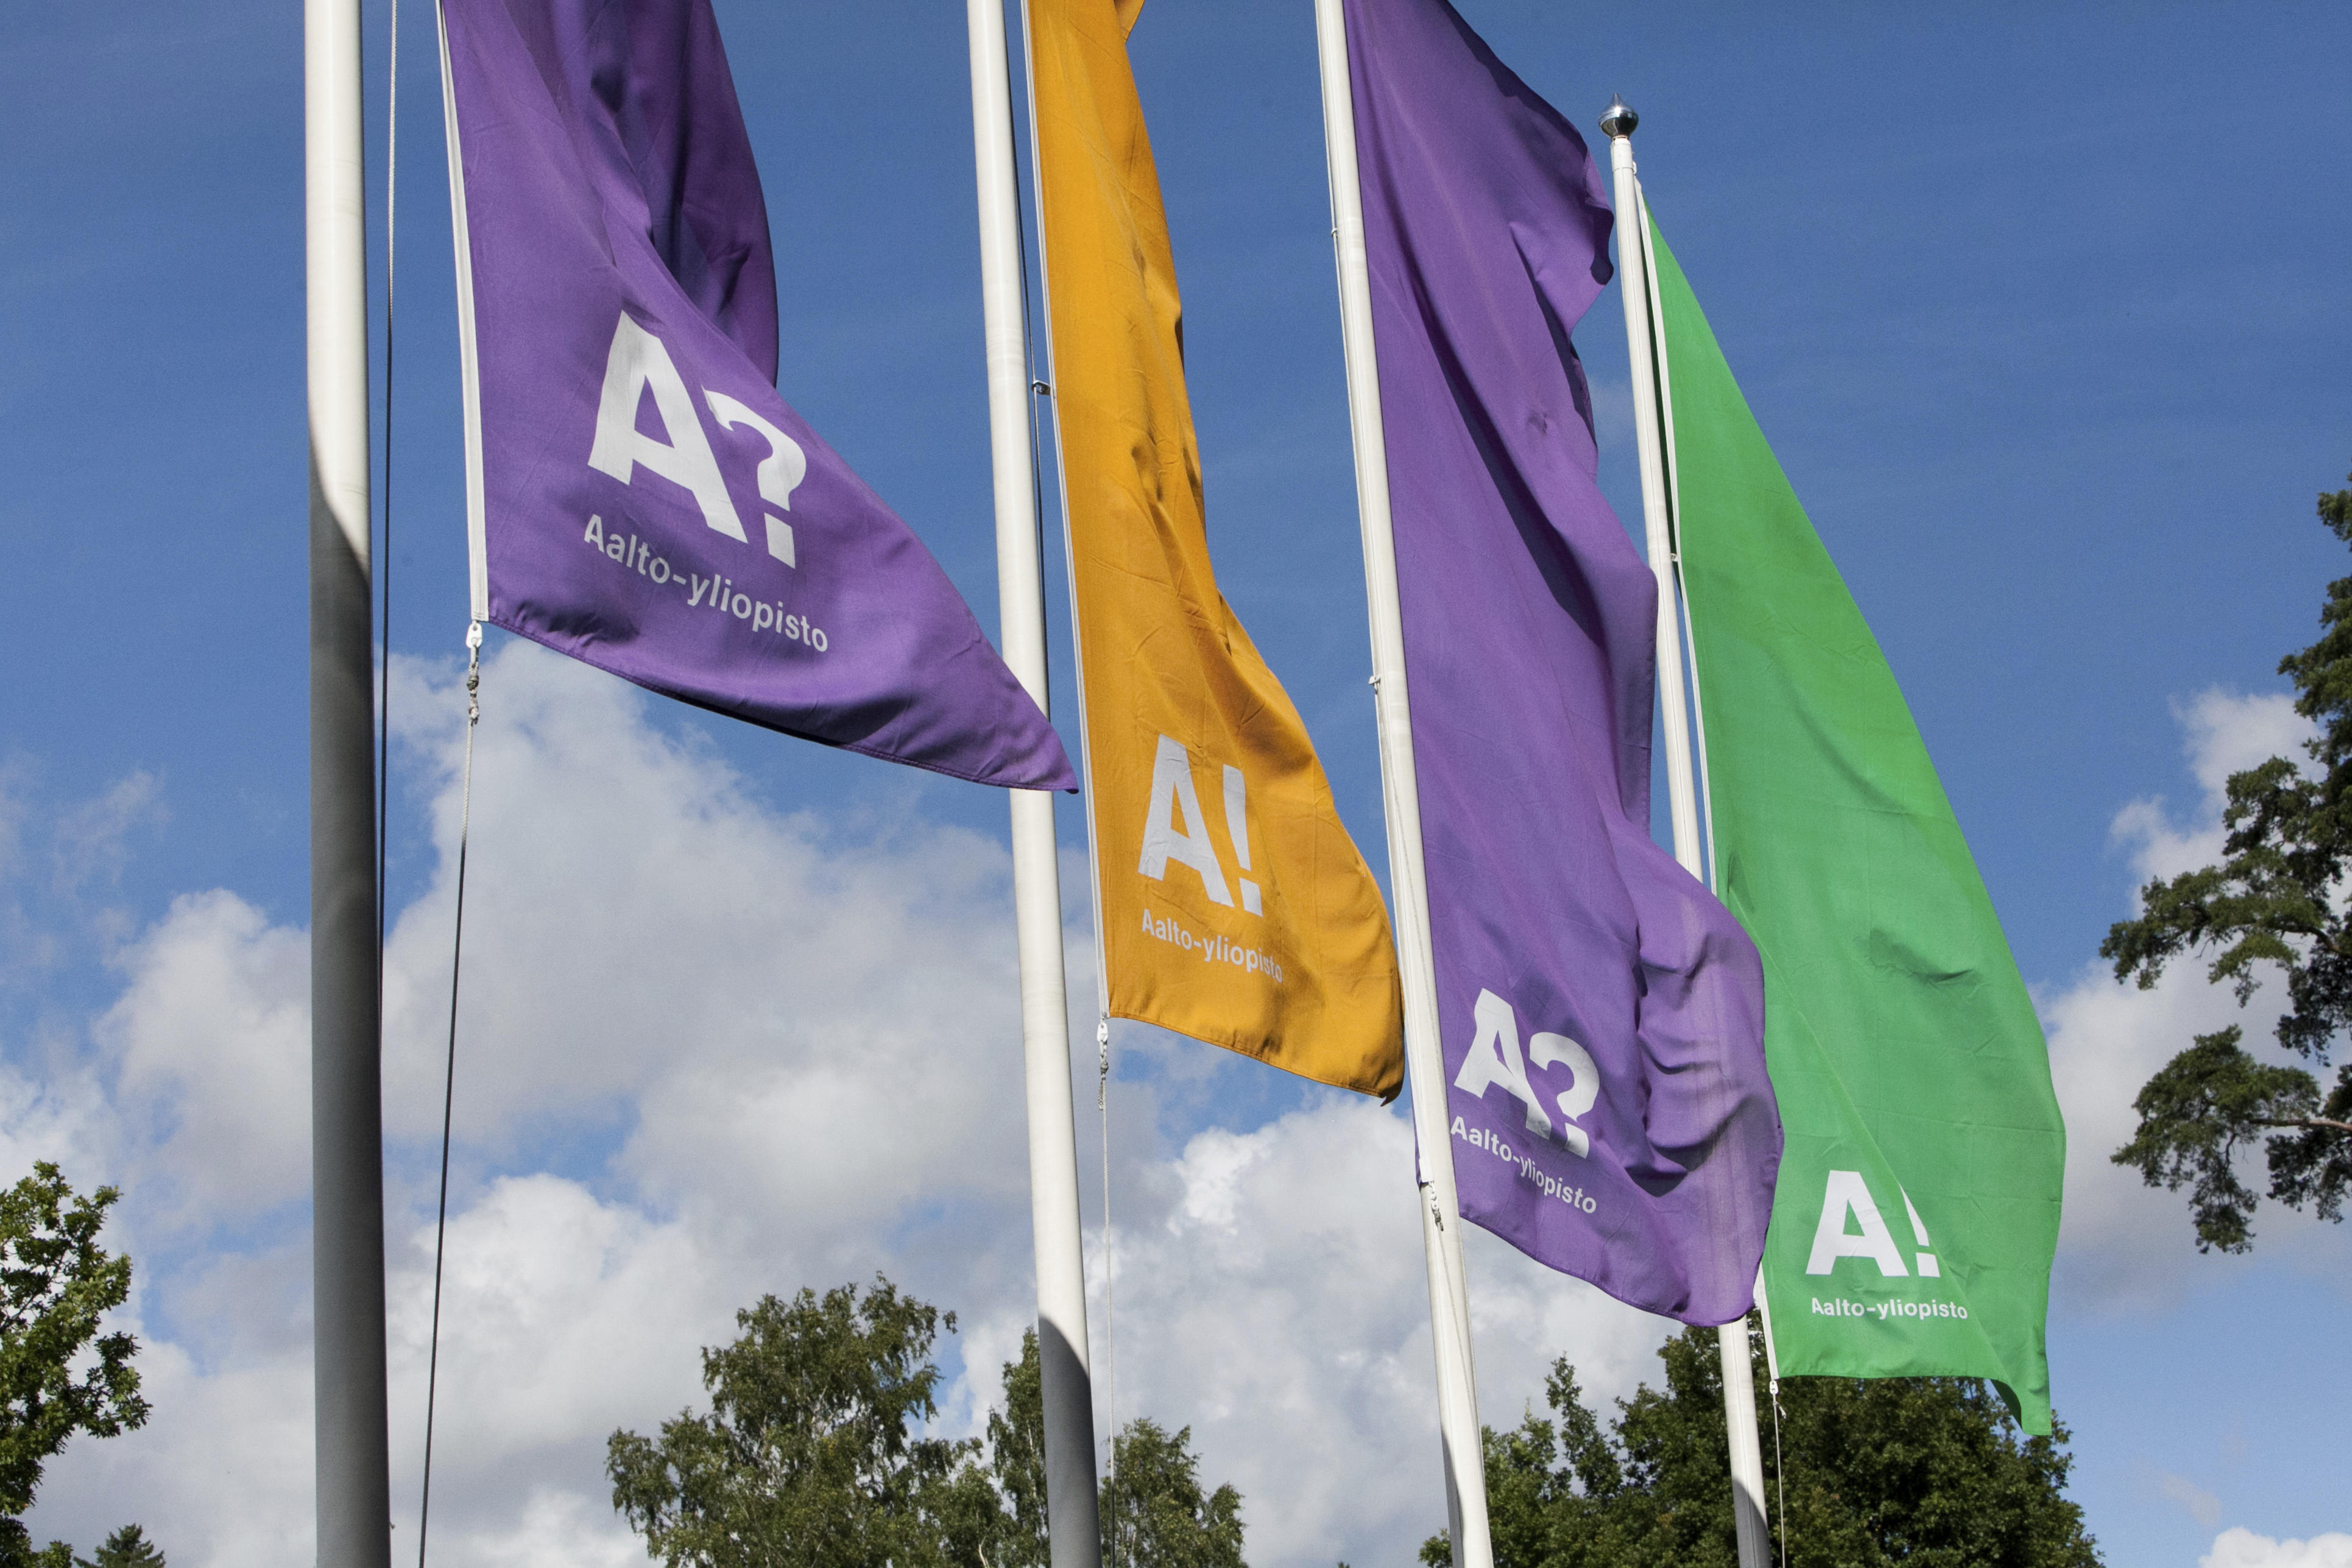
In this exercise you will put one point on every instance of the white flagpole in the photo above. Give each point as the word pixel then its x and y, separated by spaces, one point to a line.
pixel 1440 1219
pixel 1638 289
pixel 353 1479
pixel 1073 1526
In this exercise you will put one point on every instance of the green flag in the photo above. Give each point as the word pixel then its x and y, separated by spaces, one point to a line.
pixel 1916 1210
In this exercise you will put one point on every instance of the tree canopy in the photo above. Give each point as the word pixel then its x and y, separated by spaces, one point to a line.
pixel 1155 1514
pixel 808 1454
pixel 2275 902
pixel 58 1375
pixel 1924 1472
pixel 126 1548
pixel 813 1452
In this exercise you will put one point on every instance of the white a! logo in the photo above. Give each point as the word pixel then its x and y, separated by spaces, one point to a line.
pixel 1495 1059
pixel 1174 829
pixel 682 455
pixel 1846 1197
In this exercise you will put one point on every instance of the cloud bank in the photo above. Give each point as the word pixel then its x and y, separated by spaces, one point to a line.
pixel 708 1050
pixel 2242 1548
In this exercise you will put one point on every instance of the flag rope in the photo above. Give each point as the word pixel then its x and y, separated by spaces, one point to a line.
pixel 1772 1374
pixel 383 562
pixel 1110 1323
pixel 1779 1477
pixel 1663 379
pixel 449 1075
pixel 1038 385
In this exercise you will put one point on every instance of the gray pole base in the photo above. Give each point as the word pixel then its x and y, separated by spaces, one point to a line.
pixel 1073 1519
pixel 354 1495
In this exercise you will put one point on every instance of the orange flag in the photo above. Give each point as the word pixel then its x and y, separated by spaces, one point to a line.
pixel 1234 907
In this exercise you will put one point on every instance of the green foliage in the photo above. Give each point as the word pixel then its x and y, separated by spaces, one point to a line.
pixel 56 1283
pixel 126 1548
pixel 1154 1513
pixel 1924 1472
pixel 808 1456
pixel 1017 1459
pixel 2276 898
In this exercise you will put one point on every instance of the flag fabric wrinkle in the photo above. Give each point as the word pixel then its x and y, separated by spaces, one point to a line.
pixel 1234 908
pixel 1918 1210
pixel 649 503
pixel 1600 1014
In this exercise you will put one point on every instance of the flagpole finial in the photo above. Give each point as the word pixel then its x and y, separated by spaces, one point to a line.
pixel 1617 119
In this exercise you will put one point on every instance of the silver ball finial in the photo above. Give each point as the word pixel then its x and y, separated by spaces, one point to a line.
pixel 1617 119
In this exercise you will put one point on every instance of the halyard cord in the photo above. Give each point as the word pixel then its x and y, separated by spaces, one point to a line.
pixel 1780 1473
pixel 383 566
pixel 1110 1335
pixel 383 562
pixel 450 1078
pixel 1037 388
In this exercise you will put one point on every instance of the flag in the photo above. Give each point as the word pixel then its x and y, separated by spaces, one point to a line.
pixel 638 495
pixel 1917 1209
pixel 1234 906
pixel 1601 1014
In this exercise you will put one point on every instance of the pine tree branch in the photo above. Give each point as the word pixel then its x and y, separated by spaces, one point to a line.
pixel 2310 1124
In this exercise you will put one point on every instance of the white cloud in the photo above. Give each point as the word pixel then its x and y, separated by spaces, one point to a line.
pixel 562 1316
pixel 221 1473
pixel 711 1050
pixel 92 840
pixel 1271 1295
pixel 2202 1506
pixel 2122 1242
pixel 2224 732
pixel 559 1529
pixel 2241 1548
pixel 210 1039
pixel 708 1050
pixel 60 1116
pixel 751 990
pixel 45 922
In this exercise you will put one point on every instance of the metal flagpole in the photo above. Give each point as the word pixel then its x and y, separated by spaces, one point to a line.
pixel 355 1495
pixel 1441 1219
pixel 1635 285
pixel 1073 1526
pixel 1743 1428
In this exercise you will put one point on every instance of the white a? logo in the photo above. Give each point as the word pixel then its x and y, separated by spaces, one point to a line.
pixel 1846 1197
pixel 638 363
pixel 1174 829
pixel 1495 1059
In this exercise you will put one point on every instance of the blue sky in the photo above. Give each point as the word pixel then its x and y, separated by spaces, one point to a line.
pixel 2044 310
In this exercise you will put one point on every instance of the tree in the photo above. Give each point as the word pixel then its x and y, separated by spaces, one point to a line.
pixel 1154 1513
pixel 58 1375
pixel 1929 1472
pixel 810 1455
pixel 126 1548
pixel 1016 1461
pixel 807 1455
pixel 2276 898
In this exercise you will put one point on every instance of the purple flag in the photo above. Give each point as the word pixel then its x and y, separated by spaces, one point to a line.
pixel 1603 1016
pixel 639 496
